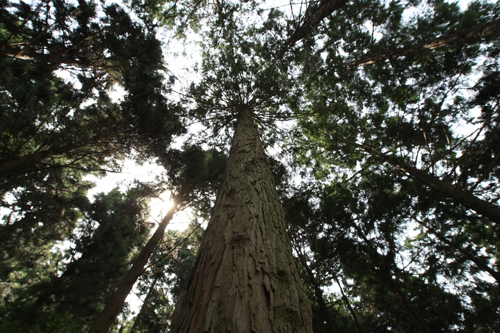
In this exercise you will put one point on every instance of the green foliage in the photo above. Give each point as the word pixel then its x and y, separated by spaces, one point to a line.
pixel 49 122
pixel 195 174
pixel 55 323
pixel 382 143
pixel 387 153
pixel 397 159
pixel 78 282
pixel 168 276
pixel 53 132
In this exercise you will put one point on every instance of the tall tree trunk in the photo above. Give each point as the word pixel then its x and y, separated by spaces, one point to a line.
pixel 111 310
pixel 473 35
pixel 244 279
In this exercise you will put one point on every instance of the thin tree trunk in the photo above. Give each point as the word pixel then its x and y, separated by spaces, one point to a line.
pixel 27 53
pixel 244 279
pixel 313 17
pixel 318 292
pixel 463 36
pixel 145 307
pixel 479 264
pixel 348 305
pixel 467 199
pixel 111 310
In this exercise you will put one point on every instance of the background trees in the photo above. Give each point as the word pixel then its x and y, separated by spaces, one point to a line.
pixel 382 119
pixel 59 61
pixel 71 286
pixel 388 144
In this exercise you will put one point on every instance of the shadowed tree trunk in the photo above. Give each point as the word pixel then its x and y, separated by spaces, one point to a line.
pixel 114 306
pixel 318 293
pixel 314 16
pixel 467 199
pixel 473 35
pixel 146 311
pixel 245 279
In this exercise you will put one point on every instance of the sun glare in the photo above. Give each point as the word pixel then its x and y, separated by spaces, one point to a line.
pixel 160 205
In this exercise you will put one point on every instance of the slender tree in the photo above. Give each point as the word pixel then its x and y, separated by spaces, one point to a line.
pixel 167 277
pixel 184 188
pixel 115 304
pixel 106 237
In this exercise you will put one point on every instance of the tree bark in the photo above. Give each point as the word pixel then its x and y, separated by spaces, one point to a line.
pixel 463 36
pixel 244 279
pixel 111 310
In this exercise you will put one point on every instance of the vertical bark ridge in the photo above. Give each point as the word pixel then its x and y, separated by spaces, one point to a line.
pixel 245 279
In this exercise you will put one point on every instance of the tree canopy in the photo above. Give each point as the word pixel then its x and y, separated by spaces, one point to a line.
pixel 380 121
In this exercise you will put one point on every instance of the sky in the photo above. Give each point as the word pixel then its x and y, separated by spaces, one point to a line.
pixel 158 207
pixel 144 173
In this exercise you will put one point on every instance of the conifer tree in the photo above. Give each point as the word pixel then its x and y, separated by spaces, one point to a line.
pixel 107 238
pixel 390 147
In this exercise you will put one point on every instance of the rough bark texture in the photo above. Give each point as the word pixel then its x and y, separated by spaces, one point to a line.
pixel 114 306
pixel 245 279
pixel 473 35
